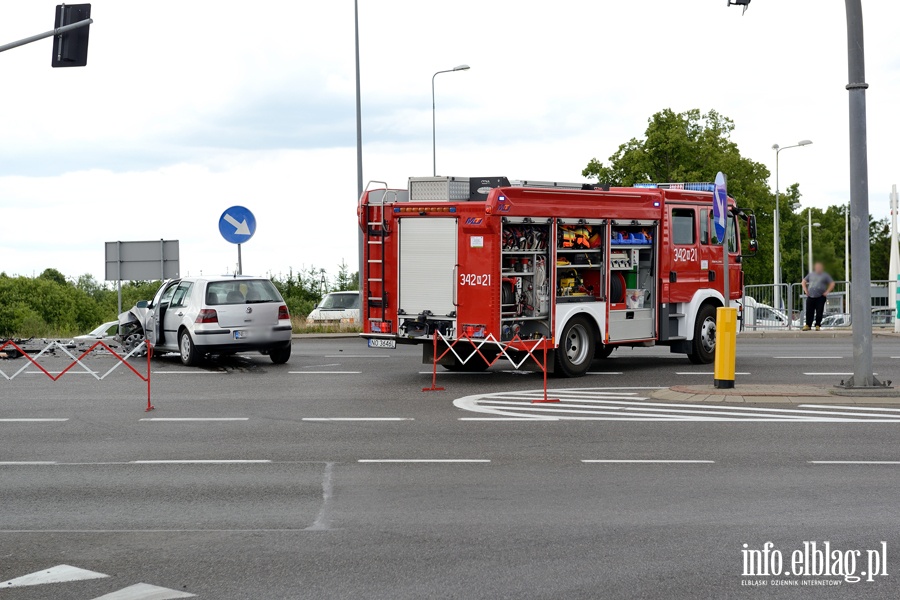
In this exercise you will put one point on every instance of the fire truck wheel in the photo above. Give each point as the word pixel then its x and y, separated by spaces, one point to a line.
pixel 704 343
pixel 576 348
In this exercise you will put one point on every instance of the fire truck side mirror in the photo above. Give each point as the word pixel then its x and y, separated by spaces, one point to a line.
pixel 751 227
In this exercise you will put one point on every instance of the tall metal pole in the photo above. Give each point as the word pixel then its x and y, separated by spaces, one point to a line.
pixel 847 245
pixel 433 128
pixel 859 202
pixel 809 240
pixel 776 243
pixel 801 252
pixel 359 169
pixel 894 269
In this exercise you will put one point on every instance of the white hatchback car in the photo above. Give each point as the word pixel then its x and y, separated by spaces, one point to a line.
pixel 196 316
pixel 336 307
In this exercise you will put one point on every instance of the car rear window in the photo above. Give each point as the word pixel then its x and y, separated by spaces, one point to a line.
pixel 243 291
pixel 340 301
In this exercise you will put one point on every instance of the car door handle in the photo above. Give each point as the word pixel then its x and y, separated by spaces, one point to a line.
pixel 180 314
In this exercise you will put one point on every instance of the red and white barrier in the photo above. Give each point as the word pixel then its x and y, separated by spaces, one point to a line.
pixel 515 345
pixel 121 360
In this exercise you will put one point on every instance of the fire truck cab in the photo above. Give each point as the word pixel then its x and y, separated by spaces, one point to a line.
pixel 581 269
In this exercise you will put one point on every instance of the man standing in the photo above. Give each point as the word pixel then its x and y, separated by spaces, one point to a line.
pixel 816 285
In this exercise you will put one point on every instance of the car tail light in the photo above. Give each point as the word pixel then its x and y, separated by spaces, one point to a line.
pixel 207 315
pixel 283 313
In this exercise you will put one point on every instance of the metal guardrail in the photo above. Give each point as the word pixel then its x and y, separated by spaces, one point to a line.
pixel 782 307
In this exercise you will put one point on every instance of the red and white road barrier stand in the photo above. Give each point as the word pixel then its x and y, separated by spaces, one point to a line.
pixel 515 345
pixel 77 360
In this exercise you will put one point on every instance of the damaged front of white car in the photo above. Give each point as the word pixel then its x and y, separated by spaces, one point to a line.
pixel 132 325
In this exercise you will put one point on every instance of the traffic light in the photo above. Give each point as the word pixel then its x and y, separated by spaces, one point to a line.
pixel 70 48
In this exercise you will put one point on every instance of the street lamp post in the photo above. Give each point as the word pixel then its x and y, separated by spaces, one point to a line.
pixel 360 243
pixel 810 246
pixel 776 229
pixel 433 112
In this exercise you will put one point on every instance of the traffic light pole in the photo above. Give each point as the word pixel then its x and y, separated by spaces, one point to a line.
pixel 46 34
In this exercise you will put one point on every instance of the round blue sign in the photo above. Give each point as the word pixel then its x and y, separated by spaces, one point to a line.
pixel 720 207
pixel 237 225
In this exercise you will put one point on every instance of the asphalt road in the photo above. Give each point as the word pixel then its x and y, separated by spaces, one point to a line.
pixel 299 503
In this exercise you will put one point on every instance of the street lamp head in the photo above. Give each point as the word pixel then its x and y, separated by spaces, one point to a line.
pixel 466 68
pixel 804 142
pixel 796 206
pixel 817 224
pixel 775 146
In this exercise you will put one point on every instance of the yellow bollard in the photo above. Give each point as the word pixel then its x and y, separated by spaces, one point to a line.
pixel 726 342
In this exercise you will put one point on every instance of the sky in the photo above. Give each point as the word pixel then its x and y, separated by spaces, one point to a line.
pixel 188 108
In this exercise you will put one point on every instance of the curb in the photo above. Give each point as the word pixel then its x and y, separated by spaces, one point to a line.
pixel 794 334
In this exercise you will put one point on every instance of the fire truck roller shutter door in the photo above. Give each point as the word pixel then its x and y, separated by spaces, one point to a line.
pixel 428 257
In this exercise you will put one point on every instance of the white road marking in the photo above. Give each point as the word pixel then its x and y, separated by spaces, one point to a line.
pixel 198 462
pixel 807 357
pixel 357 419
pixel 833 373
pixel 323 522
pixel 145 591
pixel 710 374
pixel 529 419
pixel 13 463
pixel 443 373
pixel 322 366
pixel 597 404
pixel 32 420
pixel 604 372
pixel 325 372
pixel 854 462
pixel 57 574
pixel 423 460
pixel 176 419
pixel 354 356
pixel 197 372
pixel 652 461
pixel 71 372
pixel 834 406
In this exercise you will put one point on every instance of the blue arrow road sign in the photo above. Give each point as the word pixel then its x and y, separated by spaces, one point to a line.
pixel 720 207
pixel 237 225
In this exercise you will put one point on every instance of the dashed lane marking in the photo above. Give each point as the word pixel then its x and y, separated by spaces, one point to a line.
pixel 357 419
pixel 601 404
pixel 423 460
pixel 199 462
pixel 354 356
pixel 57 574
pixel 648 461
pixel 32 420
pixel 709 374
pixel 854 462
pixel 184 419
pixel 325 372
pixel 807 357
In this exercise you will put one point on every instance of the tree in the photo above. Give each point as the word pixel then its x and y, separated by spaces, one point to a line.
pixel 346 281
pixel 691 146
pixel 53 275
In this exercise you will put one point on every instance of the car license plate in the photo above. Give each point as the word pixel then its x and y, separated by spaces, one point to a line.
pixel 240 335
pixel 376 343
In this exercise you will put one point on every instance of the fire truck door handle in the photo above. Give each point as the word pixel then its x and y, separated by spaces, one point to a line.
pixel 455 283
pixel 673 276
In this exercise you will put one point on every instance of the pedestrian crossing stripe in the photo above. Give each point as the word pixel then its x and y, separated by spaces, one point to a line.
pixel 620 404
pixel 145 591
pixel 57 574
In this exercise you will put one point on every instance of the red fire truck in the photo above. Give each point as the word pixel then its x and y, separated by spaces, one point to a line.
pixel 583 269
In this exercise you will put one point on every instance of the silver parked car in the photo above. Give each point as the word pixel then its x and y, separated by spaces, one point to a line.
pixel 196 316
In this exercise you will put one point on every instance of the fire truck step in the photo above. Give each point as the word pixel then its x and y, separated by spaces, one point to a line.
pixel 376 242
pixel 676 315
pixel 375 260
pixel 676 338
pixel 371 279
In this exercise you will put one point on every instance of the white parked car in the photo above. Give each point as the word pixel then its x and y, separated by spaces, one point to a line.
pixel 757 315
pixel 196 316
pixel 336 307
